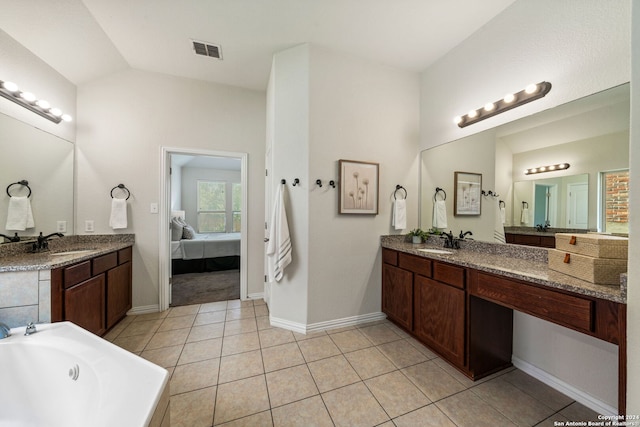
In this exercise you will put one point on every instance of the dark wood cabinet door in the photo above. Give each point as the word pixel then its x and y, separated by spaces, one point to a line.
pixel 397 295
pixel 118 293
pixel 84 304
pixel 440 318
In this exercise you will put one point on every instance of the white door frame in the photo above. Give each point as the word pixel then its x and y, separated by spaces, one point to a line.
pixel 165 218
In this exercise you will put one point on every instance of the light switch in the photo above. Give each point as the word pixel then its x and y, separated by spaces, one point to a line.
pixel 153 208
pixel 61 227
pixel 88 226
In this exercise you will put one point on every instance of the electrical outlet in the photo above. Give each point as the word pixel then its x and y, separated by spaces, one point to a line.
pixel 153 208
pixel 61 227
pixel 88 226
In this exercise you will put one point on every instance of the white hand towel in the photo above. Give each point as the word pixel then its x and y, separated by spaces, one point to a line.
pixel 399 215
pixel 439 214
pixel 19 215
pixel 498 231
pixel 279 247
pixel 524 217
pixel 503 215
pixel 118 218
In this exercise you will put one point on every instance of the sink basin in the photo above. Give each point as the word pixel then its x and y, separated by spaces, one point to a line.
pixel 73 252
pixel 436 251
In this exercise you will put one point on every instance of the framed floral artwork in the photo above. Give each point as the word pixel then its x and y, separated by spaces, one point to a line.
pixel 467 191
pixel 359 182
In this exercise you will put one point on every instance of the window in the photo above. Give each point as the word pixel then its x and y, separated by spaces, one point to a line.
pixel 219 206
pixel 614 215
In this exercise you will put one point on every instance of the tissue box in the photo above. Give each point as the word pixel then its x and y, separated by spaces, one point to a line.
pixel 601 271
pixel 593 245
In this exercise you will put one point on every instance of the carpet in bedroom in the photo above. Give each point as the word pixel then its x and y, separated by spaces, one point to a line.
pixel 200 288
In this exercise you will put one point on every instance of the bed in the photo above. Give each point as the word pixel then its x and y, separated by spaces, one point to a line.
pixel 202 252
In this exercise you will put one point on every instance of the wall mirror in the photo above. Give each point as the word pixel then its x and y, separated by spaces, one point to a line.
pixel 46 162
pixel 591 134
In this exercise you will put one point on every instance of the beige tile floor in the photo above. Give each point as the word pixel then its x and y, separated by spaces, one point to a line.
pixel 229 367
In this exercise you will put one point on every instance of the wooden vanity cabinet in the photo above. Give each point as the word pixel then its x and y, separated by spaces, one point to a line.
pixel 531 240
pixel 94 294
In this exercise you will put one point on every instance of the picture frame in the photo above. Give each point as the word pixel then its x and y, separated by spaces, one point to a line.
pixel 467 197
pixel 359 183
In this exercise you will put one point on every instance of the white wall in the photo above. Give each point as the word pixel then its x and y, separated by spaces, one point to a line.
pixel 125 118
pixel 32 74
pixel 633 297
pixel 358 111
pixel 327 107
pixel 581 47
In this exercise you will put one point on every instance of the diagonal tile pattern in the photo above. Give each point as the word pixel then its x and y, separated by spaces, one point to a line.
pixel 229 367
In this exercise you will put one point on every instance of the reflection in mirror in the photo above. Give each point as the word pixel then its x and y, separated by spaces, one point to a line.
pixel 591 134
pixel 561 202
pixel 46 162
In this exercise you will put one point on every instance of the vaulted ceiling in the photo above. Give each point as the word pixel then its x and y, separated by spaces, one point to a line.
pixel 87 39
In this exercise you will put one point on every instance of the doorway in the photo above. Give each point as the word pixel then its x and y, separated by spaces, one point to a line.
pixel 202 218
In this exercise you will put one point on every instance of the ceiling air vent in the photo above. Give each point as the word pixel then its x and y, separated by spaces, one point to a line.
pixel 207 49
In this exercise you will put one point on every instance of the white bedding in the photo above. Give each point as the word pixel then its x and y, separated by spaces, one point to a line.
pixel 207 246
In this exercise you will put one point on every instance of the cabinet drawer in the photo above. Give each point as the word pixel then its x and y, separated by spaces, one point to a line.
pixel 449 274
pixel 389 256
pixel 77 273
pixel 418 265
pixel 104 263
pixel 563 309
pixel 124 255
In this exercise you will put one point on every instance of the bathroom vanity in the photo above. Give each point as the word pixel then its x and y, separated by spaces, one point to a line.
pixel 83 279
pixel 460 304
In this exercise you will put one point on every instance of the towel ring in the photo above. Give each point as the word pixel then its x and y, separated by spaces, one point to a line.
pixel 439 190
pixel 23 182
pixel 502 204
pixel 525 205
pixel 400 187
pixel 122 187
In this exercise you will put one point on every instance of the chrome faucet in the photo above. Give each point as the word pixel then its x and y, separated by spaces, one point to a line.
pixel 42 243
pixel 30 329
pixel 5 331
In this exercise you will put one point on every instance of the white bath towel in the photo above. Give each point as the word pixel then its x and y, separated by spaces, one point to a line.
pixel 524 217
pixel 503 215
pixel 399 214
pixel 498 230
pixel 279 247
pixel 118 218
pixel 19 215
pixel 439 214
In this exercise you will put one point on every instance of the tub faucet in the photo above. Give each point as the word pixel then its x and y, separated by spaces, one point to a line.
pixel 43 241
pixel 30 329
pixel 5 331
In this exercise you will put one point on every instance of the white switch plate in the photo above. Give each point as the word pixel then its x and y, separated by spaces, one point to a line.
pixel 61 227
pixel 153 208
pixel 88 226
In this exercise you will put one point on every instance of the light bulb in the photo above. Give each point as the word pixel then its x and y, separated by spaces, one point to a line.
pixel 43 104
pixel 552 168
pixel 10 86
pixel 66 118
pixel 28 96
pixel 534 170
pixel 509 98
pixel 457 120
pixel 56 112
pixel 562 166
pixel 489 107
pixel 472 114
pixel 542 169
pixel 531 89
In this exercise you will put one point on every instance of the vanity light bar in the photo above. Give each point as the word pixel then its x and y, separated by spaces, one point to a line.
pixel 551 168
pixel 511 100
pixel 29 101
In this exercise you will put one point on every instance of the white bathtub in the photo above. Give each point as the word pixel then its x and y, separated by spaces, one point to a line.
pixel 65 376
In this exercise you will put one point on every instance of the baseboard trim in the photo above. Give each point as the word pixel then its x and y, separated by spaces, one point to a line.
pixel 552 381
pixel 327 325
pixel 257 295
pixel 144 309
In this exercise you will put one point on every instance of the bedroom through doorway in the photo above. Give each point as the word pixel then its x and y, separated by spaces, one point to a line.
pixel 206 199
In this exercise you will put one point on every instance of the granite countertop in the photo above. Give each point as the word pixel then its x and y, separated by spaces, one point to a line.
pixel 551 232
pixel 15 256
pixel 524 263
